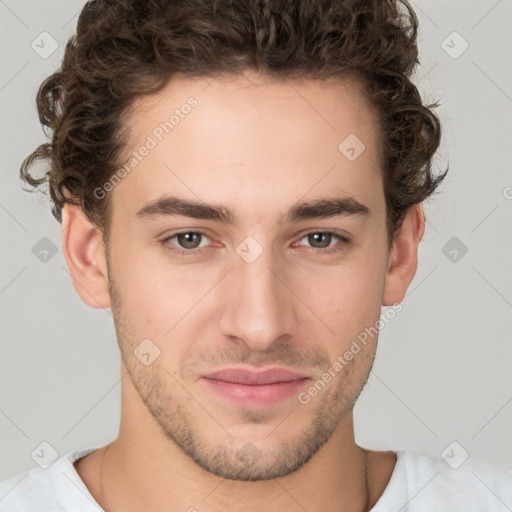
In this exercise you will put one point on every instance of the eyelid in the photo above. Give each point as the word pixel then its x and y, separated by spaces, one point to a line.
pixel 327 231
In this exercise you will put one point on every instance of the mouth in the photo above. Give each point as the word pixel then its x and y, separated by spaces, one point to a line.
pixel 256 389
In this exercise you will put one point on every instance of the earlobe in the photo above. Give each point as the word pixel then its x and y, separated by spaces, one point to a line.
pixel 83 248
pixel 403 256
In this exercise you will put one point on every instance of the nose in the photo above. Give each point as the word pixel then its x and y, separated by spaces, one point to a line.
pixel 259 306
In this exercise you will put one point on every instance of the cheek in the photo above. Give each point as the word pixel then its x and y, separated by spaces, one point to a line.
pixel 348 303
pixel 348 296
pixel 141 291
pixel 159 298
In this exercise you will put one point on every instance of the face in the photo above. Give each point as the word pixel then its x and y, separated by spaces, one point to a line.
pixel 280 263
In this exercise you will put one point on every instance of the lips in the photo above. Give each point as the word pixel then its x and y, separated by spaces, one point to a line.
pixel 255 378
pixel 257 389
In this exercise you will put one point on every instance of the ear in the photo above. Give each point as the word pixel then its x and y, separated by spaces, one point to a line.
pixel 403 256
pixel 83 248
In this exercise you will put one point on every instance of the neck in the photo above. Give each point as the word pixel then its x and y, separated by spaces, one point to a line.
pixel 135 475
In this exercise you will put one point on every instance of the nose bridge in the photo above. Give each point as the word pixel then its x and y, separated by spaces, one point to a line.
pixel 259 308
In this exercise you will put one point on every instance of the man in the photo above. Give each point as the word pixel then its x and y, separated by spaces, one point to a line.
pixel 242 184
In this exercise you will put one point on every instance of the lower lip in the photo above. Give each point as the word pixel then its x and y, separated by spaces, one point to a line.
pixel 256 396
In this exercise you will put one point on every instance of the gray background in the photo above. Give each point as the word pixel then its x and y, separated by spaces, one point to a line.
pixel 443 367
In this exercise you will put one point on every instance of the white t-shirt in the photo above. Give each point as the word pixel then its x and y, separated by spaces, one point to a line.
pixel 418 484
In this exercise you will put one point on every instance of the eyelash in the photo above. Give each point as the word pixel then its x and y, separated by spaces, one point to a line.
pixel 190 252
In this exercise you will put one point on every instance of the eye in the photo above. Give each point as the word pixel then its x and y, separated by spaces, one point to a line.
pixel 196 242
pixel 321 242
pixel 186 242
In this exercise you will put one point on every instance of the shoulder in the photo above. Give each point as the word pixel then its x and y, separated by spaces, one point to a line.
pixel 47 490
pixel 459 473
pixel 422 482
pixel 25 491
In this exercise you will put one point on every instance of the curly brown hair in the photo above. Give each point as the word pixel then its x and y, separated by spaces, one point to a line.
pixel 125 49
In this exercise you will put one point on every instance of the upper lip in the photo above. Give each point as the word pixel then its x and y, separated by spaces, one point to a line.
pixel 255 377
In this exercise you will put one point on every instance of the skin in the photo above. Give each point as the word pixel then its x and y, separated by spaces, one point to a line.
pixel 257 147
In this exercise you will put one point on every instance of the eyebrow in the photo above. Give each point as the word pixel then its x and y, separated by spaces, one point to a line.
pixel 315 209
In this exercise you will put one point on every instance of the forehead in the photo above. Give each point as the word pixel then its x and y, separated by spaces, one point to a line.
pixel 251 140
